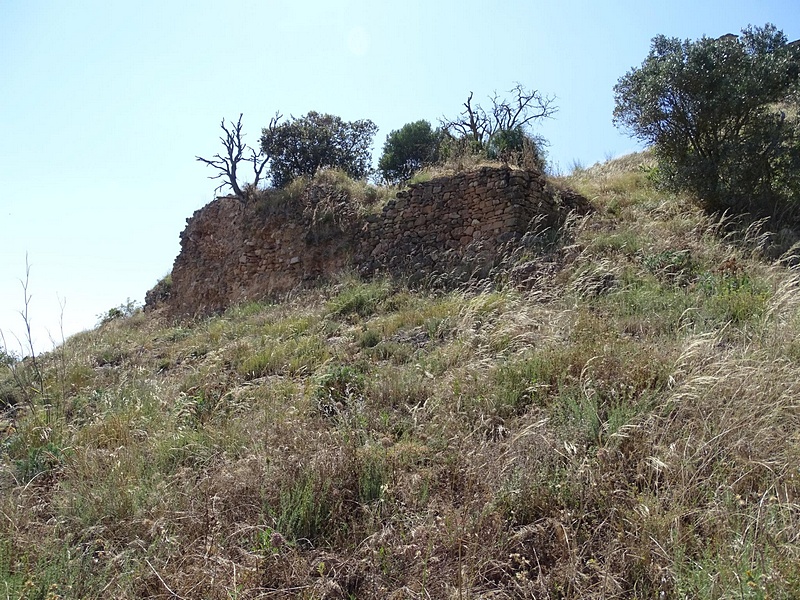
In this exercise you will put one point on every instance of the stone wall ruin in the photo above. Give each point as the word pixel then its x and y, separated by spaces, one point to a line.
pixel 233 251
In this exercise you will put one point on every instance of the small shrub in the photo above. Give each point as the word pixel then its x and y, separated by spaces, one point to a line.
pixel 369 338
pixel 38 460
pixel 733 295
pixel 110 357
pixel 123 311
pixel 10 394
pixel 362 299
pixel 338 388
pixel 671 266
pixel 287 357
pixel 530 380
pixel 305 507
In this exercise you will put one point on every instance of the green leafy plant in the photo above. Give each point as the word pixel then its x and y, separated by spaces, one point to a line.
pixel 304 508
pixel 337 388
pixel 304 145
pixel 123 311
pixel 672 266
pixel 708 107
pixel 39 459
pixel 733 295
pixel 359 298
pixel 409 149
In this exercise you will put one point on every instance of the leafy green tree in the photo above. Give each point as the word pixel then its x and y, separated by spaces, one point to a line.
pixel 302 146
pixel 408 149
pixel 717 113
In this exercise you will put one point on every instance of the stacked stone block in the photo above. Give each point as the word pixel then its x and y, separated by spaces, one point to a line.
pixel 231 253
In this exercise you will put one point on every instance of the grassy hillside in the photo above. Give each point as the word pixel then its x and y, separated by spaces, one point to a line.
pixel 623 423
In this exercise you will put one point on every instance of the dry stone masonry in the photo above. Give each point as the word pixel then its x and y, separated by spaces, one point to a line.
pixel 488 207
pixel 232 251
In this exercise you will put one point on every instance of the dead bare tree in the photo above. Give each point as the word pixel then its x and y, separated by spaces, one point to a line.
pixel 236 151
pixel 477 125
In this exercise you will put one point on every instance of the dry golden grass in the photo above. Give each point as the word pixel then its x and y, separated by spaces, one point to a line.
pixel 623 425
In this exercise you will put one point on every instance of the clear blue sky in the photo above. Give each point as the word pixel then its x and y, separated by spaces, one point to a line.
pixel 105 104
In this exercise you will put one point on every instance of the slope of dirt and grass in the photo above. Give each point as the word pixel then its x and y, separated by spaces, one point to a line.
pixel 621 422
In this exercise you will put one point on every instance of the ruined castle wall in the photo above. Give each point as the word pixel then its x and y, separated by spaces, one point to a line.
pixel 489 207
pixel 232 251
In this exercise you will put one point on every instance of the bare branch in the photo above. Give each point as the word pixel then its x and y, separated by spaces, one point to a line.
pixel 261 158
pixel 478 126
pixel 237 151
pixel 530 106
